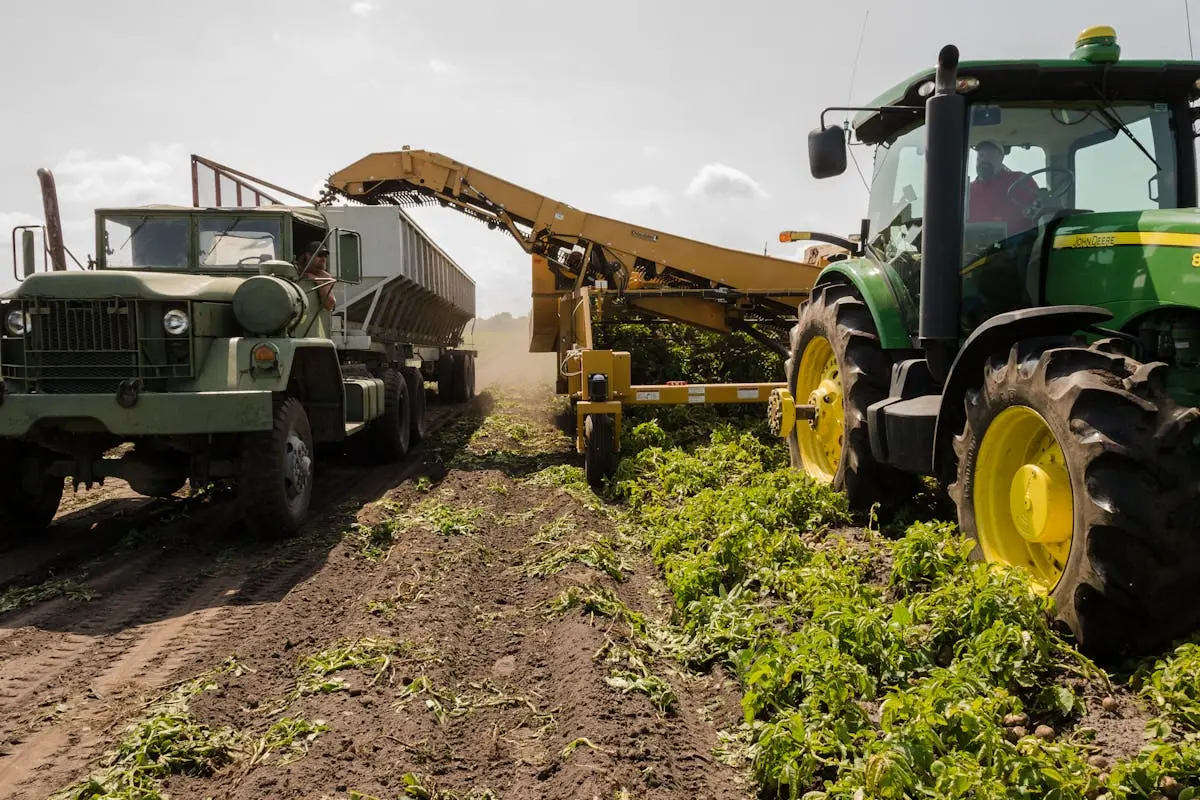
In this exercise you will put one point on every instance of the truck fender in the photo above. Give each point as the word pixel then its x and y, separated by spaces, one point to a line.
pixel 314 376
pixel 997 335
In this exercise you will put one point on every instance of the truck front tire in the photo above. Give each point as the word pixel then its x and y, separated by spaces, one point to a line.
pixel 277 473
pixel 29 498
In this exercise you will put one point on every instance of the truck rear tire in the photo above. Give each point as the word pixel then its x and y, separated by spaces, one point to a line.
pixel 447 369
pixel 386 438
pixel 416 397
pixel 836 362
pixel 464 377
pixel 29 497
pixel 1074 464
pixel 276 478
pixel 600 449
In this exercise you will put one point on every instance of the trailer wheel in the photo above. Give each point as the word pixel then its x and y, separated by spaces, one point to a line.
pixel 1075 465
pixel 416 399
pixel 835 362
pixel 387 437
pixel 277 473
pixel 29 497
pixel 600 449
pixel 447 368
pixel 464 377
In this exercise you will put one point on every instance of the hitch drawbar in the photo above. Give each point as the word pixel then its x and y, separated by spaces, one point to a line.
pixel 783 413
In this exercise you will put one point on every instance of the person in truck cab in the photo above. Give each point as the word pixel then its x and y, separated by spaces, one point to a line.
pixel 990 199
pixel 313 262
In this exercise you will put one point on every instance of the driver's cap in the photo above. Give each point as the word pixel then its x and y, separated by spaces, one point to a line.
pixel 992 143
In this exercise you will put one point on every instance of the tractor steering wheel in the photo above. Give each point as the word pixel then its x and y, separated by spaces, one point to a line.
pixel 1042 195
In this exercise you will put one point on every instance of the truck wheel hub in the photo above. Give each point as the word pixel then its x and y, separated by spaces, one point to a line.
pixel 297 466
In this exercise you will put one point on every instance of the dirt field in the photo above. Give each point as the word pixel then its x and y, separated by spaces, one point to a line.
pixel 424 636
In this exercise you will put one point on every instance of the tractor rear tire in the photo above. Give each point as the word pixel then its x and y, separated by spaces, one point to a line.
pixel 600 449
pixel 276 480
pixel 416 399
pixel 29 497
pixel 836 359
pixel 1103 514
pixel 387 437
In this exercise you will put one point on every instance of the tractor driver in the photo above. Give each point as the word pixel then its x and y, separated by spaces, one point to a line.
pixel 312 263
pixel 992 196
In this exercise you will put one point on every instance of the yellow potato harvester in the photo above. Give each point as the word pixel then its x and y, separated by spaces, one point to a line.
pixel 587 266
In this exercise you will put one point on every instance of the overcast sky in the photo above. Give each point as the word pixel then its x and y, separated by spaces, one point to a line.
pixel 686 116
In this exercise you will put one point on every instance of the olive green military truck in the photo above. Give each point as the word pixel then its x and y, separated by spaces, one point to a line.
pixel 197 340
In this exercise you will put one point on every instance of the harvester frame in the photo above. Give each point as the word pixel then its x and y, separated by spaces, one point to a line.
pixel 586 267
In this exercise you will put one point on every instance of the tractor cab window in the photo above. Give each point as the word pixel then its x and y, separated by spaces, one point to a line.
pixel 132 242
pixel 896 211
pixel 1029 162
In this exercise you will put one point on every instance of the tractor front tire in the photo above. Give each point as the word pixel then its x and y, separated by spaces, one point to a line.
pixel 1074 464
pixel 600 449
pixel 835 362
pixel 276 478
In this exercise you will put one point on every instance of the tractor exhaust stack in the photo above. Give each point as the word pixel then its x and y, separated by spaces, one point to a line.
pixel 942 237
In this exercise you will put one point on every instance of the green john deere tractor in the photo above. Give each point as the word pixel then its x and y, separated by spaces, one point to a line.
pixel 1020 318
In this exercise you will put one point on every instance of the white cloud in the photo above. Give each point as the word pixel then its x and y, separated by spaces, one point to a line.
pixel 362 8
pixel 650 149
pixel 724 182
pixel 643 197
pixel 122 179
pixel 441 67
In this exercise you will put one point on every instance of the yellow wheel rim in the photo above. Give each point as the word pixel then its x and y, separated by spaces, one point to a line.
pixel 819 383
pixel 1024 507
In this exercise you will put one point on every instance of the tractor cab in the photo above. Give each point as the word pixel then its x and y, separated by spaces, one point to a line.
pixel 1045 141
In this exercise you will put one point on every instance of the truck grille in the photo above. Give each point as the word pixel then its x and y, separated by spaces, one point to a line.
pixel 91 346
pixel 100 326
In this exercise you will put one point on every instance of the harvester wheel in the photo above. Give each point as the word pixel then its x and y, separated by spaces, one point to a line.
pixel 277 473
pixel 600 449
pixel 29 497
pixel 447 367
pixel 836 363
pixel 1075 465
pixel 416 399
pixel 387 437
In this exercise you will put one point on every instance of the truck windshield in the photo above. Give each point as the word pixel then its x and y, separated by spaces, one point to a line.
pixel 163 242
pixel 238 242
pixel 146 241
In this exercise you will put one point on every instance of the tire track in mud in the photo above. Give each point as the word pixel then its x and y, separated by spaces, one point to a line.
pixel 156 612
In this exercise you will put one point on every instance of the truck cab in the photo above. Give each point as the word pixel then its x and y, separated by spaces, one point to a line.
pixel 199 337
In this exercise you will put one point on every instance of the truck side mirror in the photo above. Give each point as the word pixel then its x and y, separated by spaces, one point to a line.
pixel 28 262
pixel 349 257
pixel 826 152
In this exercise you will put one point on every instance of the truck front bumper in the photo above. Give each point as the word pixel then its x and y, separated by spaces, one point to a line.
pixel 154 414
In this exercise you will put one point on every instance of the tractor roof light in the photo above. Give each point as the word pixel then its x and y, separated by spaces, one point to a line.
pixel 1097 45
pixel 965 84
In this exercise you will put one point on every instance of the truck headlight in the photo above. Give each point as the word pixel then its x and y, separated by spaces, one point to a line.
pixel 17 322
pixel 176 322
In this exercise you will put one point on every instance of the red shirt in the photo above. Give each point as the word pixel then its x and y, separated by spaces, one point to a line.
pixel 989 200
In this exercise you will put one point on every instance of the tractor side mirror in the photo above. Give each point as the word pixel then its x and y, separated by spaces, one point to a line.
pixel 826 152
